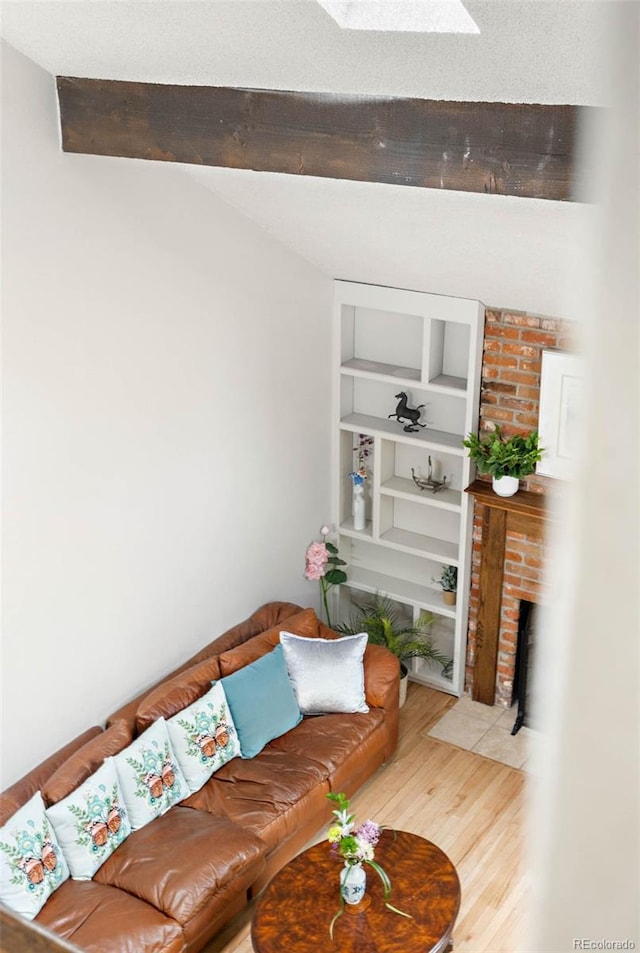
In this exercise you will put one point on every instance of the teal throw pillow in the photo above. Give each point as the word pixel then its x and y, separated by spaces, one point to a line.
pixel 262 702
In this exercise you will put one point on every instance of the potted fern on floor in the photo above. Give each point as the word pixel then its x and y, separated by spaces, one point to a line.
pixel 382 620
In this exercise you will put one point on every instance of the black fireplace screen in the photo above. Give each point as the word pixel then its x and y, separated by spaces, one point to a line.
pixel 525 649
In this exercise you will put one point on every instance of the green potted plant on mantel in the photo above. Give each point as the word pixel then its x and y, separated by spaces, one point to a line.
pixel 449 582
pixel 381 619
pixel 507 459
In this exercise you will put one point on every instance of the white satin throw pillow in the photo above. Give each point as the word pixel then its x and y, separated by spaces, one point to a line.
pixel 327 674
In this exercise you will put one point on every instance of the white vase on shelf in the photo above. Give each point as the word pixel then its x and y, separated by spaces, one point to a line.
pixel 359 520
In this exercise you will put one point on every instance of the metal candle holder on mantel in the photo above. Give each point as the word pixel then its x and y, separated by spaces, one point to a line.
pixel 429 483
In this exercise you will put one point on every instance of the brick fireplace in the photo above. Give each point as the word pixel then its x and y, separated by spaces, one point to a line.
pixel 510 397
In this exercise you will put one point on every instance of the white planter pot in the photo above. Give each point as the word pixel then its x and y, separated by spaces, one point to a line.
pixel 404 684
pixel 506 485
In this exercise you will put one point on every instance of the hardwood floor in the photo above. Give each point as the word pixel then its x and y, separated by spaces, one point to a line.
pixel 472 808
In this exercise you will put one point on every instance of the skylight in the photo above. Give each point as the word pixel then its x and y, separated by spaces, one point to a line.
pixel 407 16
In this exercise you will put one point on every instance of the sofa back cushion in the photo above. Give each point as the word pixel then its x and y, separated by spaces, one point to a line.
pixel 32 864
pixel 327 674
pixel 204 737
pixel 177 693
pixel 91 822
pixel 150 777
pixel 262 702
pixel 85 761
pixel 303 623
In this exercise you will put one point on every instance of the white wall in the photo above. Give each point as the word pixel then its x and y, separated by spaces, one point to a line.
pixel 166 429
pixel 586 803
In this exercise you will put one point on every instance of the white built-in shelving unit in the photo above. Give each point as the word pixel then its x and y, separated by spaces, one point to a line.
pixel 389 340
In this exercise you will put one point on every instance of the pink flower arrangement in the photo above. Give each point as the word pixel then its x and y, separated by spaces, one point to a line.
pixel 316 561
pixel 322 564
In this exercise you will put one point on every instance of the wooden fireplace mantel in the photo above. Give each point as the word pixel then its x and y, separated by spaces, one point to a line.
pixel 525 513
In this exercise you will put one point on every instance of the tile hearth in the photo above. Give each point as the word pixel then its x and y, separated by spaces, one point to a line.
pixel 485 730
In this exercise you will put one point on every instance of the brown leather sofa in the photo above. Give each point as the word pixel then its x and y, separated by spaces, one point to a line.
pixel 172 885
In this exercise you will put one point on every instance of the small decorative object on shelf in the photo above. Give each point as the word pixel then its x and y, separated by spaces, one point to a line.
pixel 428 483
pixel 357 504
pixel 403 412
pixel 358 478
pixel 322 564
pixel 507 459
pixel 355 846
pixel 449 582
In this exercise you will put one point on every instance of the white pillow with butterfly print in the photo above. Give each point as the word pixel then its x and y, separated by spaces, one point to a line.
pixel 150 777
pixel 91 822
pixel 32 864
pixel 204 737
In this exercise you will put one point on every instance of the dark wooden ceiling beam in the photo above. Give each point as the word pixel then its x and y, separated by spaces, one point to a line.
pixel 504 148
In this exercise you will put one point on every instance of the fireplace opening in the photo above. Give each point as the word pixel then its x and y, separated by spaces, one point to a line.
pixel 525 652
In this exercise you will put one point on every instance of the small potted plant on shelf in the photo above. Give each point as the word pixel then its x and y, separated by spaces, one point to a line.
pixel 507 459
pixel 381 619
pixel 449 582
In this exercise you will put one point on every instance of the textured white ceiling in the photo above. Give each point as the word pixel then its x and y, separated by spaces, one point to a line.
pixel 507 252
pixel 539 51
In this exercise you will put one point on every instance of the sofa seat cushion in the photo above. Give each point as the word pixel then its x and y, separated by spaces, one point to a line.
pixel 101 919
pixel 181 860
pixel 267 795
pixel 329 741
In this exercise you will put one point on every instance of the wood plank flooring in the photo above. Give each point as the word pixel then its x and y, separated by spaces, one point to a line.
pixel 472 808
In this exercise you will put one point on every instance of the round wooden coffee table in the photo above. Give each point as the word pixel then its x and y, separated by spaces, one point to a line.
pixel 295 911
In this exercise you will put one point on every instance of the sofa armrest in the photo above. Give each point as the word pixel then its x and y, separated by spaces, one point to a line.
pixel 29 936
pixel 381 677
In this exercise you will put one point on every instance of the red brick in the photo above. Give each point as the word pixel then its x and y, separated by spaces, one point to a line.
pixel 534 563
pixel 529 573
pixel 551 324
pixel 539 337
pixel 518 403
pixel 492 315
pixel 500 360
pixel 490 373
pixel 521 320
pixel 530 548
pixel 527 420
pixel 520 377
pixel 523 350
pixel 529 393
pixel 498 414
pixel 511 580
pixel 499 387
pixel 504 332
pixel 533 367
pixel 490 345
pixel 514 555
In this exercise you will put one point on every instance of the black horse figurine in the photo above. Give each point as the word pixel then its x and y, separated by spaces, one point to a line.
pixel 412 414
